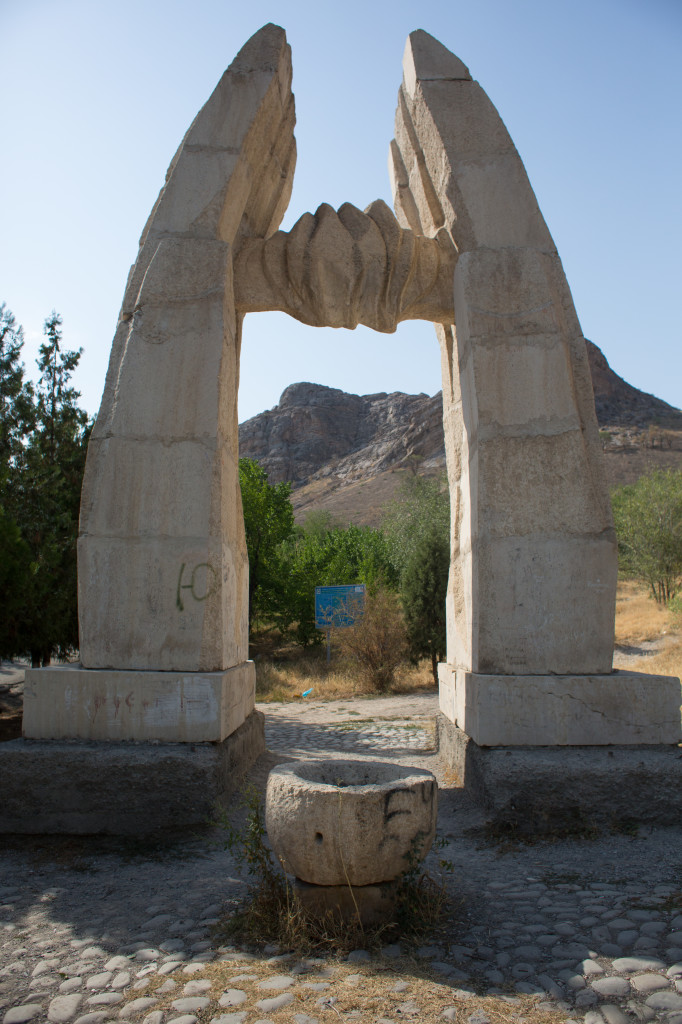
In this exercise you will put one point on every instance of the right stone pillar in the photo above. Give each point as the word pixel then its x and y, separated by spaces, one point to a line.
pixel 531 597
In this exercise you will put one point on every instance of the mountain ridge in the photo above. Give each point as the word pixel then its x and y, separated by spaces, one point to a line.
pixel 331 445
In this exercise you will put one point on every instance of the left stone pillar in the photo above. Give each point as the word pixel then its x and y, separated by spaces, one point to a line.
pixel 162 562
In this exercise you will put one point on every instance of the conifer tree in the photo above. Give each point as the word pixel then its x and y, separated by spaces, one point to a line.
pixel 424 589
pixel 42 497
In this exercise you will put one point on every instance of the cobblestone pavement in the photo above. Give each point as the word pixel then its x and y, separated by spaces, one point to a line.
pixel 95 932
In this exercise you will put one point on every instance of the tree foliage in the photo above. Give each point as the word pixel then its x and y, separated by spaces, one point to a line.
pixel 40 500
pixel 422 507
pixel 648 520
pixel 16 406
pixel 424 589
pixel 268 522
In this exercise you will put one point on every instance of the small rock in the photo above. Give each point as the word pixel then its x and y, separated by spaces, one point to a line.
pixel 276 1003
pixel 70 985
pixel 664 1001
pixel 187 1005
pixel 589 968
pixel 193 968
pixel 105 999
pixel 529 989
pixel 195 988
pixel 21 1014
pixel 99 980
pixel 357 956
pixel 232 997
pixel 648 983
pixel 147 954
pixel 276 983
pixel 137 1006
pixel 63 1008
pixel 117 963
pixel 637 963
pixel 614 1014
pixel 614 987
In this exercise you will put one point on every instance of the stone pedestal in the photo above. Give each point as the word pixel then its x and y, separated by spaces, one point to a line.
pixel 539 790
pixel 561 710
pixel 82 787
pixel 71 702
pixel 540 753
pixel 123 752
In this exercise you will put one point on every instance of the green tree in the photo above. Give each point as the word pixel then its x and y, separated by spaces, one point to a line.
pixel 15 577
pixel 16 417
pixel 648 520
pixel 424 589
pixel 325 557
pixel 421 507
pixel 16 405
pixel 43 499
pixel 268 522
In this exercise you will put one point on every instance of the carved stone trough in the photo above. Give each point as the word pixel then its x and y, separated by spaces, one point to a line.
pixel 348 830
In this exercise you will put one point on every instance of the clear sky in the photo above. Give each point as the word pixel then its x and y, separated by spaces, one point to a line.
pixel 96 95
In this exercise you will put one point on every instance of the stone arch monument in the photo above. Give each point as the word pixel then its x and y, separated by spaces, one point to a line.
pixel 162 556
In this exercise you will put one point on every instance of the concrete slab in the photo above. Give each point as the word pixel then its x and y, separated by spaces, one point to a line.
pixel 562 710
pixel 71 702
pixel 79 787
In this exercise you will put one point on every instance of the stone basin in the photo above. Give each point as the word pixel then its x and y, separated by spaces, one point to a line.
pixel 350 822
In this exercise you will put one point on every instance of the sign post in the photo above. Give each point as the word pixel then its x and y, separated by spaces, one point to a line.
pixel 338 608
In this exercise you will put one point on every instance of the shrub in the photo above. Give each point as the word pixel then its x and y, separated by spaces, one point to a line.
pixel 378 642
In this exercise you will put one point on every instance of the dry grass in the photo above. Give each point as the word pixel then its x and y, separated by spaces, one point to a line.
pixel 291 673
pixel 367 992
pixel 638 617
pixel 667 663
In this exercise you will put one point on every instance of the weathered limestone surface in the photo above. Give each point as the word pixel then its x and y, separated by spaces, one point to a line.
pixel 162 556
pixel 371 904
pixel 173 707
pixel 538 789
pixel 584 710
pixel 87 788
pixel 340 269
pixel 340 823
pixel 533 572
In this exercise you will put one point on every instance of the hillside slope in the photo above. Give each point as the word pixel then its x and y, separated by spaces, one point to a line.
pixel 347 453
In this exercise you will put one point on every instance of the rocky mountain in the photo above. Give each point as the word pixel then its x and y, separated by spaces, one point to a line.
pixel 346 452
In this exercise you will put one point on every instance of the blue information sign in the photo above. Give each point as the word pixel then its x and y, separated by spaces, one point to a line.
pixel 337 607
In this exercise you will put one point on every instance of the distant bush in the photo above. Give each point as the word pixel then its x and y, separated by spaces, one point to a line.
pixel 648 520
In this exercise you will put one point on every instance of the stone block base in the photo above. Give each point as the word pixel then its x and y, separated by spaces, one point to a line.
pixel 574 710
pixel 81 787
pixel 71 702
pixel 372 904
pixel 538 790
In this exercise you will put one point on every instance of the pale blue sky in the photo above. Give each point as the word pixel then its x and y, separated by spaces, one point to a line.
pixel 95 97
